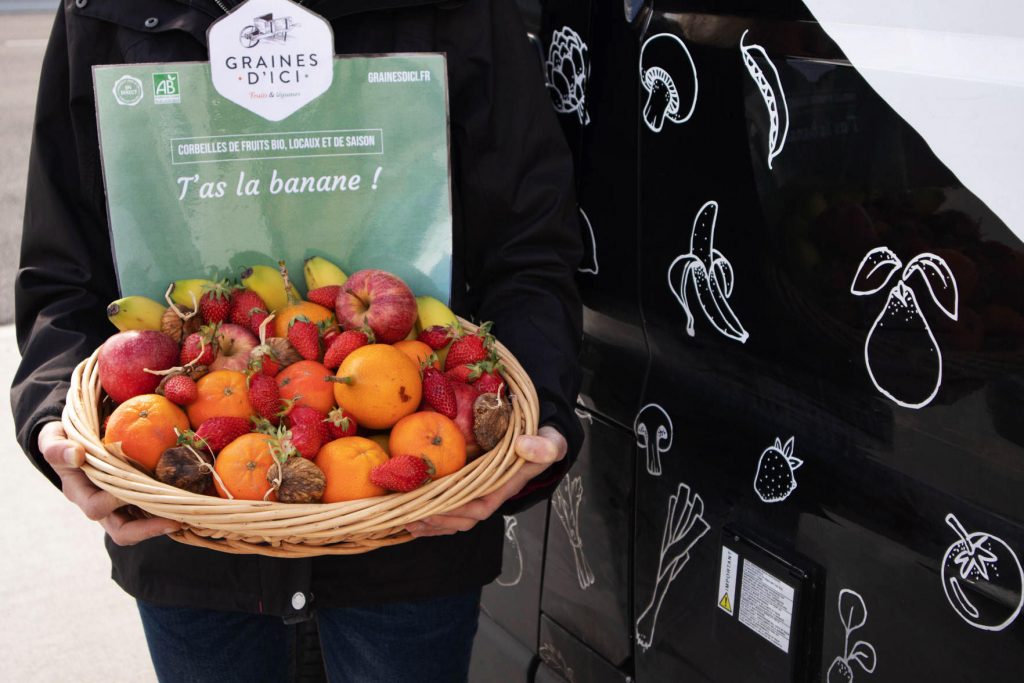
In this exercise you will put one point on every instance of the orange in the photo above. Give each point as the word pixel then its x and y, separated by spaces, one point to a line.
pixel 417 351
pixel 309 381
pixel 315 312
pixel 222 393
pixel 433 436
pixel 144 426
pixel 346 462
pixel 378 385
pixel 243 465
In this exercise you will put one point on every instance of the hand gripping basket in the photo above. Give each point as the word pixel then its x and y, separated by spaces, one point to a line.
pixel 290 529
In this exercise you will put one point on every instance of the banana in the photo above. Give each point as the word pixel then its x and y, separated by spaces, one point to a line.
pixel 320 272
pixel 183 291
pixel 711 275
pixel 268 282
pixel 432 312
pixel 135 313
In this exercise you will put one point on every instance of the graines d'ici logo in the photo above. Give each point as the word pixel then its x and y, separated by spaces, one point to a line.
pixel 273 68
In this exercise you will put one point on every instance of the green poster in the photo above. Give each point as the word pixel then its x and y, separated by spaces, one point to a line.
pixel 200 187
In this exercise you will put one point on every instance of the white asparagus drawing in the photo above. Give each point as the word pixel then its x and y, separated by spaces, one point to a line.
pixel 566 503
pixel 774 479
pixel 513 539
pixel 566 70
pixel 766 78
pixel 711 276
pixel 853 614
pixel 669 76
pixel 982 578
pixel 684 526
pixel 589 263
pixel 653 418
pixel 902 328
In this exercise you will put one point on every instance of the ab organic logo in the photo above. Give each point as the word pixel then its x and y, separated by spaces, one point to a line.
pixel 128 91
pixel 166 89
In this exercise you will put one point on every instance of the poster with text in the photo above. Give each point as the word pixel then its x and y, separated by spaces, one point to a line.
pixel 198 187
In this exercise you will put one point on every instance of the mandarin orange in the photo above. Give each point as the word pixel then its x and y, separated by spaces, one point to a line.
pixel 417 351
pixel 315 312
pixel 378 385
pixel 242 467
pixel 144 426
pixel 309 384
pixel 346 462
pixel 430 435
pixel 222 393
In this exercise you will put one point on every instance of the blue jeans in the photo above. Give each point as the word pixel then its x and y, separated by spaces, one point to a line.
pixel 428 641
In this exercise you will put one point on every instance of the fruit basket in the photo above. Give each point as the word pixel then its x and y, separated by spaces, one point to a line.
pixel 289 529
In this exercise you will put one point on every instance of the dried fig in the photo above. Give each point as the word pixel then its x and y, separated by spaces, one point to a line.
pixel 185 468
pixel 301 481
pixel 491 415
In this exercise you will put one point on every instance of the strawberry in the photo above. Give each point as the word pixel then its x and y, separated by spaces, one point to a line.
pixel 489 383
pixel 436 337
pixel 460 374
pixel 344 344
pixel 242 303
pixel 256 318
pixel 215 303
pixel 265 396
pixel 329 336
pixel 402 473
pixel 470 348
pixel 305 337
pixel 264 362
pixel 299 414
pixel 181 389
pixel 305 438
pixel 340 424
pixel 438 392
pixel 203 339
pixel 217 432
pixel 325 296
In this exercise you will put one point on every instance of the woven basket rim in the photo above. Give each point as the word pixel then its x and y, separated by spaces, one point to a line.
pixel 290 529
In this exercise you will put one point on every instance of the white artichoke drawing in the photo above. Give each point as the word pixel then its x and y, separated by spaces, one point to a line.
pixel 566 70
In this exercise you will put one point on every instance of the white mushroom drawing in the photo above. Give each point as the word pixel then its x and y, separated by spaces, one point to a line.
pixel 652 419
pixel 684 526
pixel 853 614
pixel 589 263
pixel 513 539
pixel 567 69
pixel 766 78
pixel 669 76
pixel 566 503
pixel 900 333
pixel 711 276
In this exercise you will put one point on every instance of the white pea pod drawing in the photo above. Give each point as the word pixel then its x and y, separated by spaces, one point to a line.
pixel 903 358
pixel 766 77
pixel 669 77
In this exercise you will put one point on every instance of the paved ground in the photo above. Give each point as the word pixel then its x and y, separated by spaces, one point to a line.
pixel 62 619
pixel 22 40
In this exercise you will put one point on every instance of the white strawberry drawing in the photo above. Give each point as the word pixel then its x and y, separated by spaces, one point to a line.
pixel 774 480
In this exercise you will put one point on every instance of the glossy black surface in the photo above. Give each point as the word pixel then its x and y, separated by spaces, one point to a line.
pixel 589 543
pixel 901 431
pixel 563 657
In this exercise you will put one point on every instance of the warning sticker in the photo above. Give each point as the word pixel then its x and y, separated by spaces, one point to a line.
pixel 727 576
pixel 766 605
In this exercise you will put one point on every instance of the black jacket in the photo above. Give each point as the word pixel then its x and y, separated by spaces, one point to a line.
pixel 516 249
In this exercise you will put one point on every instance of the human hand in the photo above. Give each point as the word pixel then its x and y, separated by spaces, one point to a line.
pixel 540 452
pixel 66 458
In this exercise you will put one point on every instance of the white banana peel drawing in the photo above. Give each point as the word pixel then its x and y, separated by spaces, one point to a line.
pixel 711 276
pixel 766 78
pixel 513 538
pixel 566 503
pixel 684 526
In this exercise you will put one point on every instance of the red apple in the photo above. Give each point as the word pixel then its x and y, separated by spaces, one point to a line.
pixel 380 300
pixel 125 355
pixel 234 344
pixel 465 395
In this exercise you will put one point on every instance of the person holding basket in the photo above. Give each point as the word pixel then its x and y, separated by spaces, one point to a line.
pixel 401 613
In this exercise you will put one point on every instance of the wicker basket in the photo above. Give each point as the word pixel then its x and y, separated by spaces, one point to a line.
pixel 294 530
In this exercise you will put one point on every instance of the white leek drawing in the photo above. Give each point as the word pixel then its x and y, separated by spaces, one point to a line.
pixel 550 655
pixel 513 539
pixel 684 526
pixel 566 503
pixel 766 78
pixel 711 276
